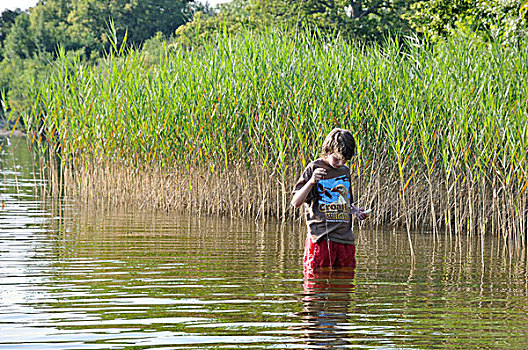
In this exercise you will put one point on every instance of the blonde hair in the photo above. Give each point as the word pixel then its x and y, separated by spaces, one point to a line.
pixel 341 142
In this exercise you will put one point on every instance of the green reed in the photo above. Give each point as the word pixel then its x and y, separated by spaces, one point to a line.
pixel 441 130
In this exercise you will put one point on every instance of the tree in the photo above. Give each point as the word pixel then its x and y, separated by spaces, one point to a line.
pixel 50 26
pixel 359 19
pixel 230 18
pixel 503 19
pixel 440 17
pixel 362 19
pixel 84 24
pixel 140 19
pixel 7 20
pixel 19 42
pixel 81 27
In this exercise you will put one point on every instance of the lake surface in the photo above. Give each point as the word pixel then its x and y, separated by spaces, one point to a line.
pixel 78 277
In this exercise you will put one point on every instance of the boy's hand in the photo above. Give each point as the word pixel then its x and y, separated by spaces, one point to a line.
pixel 362 213
pixel 318 174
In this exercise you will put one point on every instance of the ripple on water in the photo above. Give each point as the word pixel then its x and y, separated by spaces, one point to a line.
pixel 85 278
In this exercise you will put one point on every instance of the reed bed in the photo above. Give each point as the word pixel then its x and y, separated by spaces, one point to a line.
pixel 225 128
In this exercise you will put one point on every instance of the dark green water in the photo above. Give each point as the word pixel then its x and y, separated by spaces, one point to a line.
pixel 92 278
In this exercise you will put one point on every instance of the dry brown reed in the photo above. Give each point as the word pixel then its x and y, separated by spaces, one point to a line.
pixel 257 193
pixel 236 192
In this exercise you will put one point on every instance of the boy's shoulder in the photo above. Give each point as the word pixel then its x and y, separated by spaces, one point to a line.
pixel 318 163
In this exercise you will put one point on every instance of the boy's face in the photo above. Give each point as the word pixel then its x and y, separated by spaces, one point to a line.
pixel 336 160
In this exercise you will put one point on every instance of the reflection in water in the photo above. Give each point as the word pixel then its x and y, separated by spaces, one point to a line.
pixel 326 302
pixel 83 277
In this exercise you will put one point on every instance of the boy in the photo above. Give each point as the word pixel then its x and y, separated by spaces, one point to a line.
pixel 324 188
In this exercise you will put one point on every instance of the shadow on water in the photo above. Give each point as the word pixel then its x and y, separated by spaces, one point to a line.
pixel 101 278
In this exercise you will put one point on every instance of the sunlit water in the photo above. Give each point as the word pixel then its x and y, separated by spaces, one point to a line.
pixel 77 277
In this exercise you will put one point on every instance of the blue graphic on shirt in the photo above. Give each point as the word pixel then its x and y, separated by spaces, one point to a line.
pixel 334 198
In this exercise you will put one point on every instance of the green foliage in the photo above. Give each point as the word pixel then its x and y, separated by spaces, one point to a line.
pixel 440 17
pixel 505 20
pixel 19 42
pixel 30 40
pixel 15 76
pixel 154 49
pixel 140 19
pixel 367 20
pixel 370 20
pixel 7 19
pixel 231 18
pixel 41 30
pixel 271 92
pixel 50 27
pixel 83 24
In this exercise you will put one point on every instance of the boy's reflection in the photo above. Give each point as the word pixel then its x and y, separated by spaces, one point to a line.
pixel 327 296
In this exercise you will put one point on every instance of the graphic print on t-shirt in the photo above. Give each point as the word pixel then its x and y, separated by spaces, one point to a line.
pixel 334 198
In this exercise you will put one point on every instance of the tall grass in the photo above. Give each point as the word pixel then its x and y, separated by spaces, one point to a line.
pixel 227 127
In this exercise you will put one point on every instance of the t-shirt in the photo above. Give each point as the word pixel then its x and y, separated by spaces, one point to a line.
pixel 327 206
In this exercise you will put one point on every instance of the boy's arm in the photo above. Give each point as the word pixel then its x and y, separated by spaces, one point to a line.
pixel 300 196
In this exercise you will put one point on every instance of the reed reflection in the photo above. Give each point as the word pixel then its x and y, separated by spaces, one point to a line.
pixel 326 301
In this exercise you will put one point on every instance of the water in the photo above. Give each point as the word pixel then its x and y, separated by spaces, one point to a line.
pixel 77 277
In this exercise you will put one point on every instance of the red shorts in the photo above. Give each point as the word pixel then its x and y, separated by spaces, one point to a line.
pixel 326 253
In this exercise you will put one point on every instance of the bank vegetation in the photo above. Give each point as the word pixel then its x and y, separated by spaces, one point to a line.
pixel 226 127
